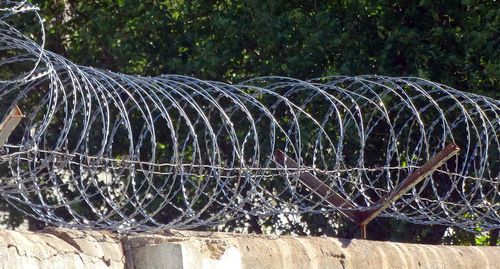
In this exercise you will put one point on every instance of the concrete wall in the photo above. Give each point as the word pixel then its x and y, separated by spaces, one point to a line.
pixel 59 248
pixel 65 249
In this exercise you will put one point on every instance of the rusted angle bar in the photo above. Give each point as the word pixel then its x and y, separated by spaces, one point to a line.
pixel 9 124
pixel 409 182
pixel 321 189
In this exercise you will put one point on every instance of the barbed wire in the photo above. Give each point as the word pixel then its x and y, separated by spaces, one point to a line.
pixel 99 149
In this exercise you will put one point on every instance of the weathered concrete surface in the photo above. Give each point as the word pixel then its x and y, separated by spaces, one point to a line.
pixel 60 248
pixel 65 249
pixel 222 250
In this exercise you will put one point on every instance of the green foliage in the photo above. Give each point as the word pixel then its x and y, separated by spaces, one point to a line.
pixel 450 42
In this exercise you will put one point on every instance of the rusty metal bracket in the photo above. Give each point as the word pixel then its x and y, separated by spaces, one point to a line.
pixel 9 124
pixel 362 218
pixel 321 189
pixel 408 183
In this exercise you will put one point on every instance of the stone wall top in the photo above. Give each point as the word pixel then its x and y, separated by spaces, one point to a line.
pixel 64 248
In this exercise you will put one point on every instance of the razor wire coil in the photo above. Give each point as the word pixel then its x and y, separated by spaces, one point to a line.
pixel 99 149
